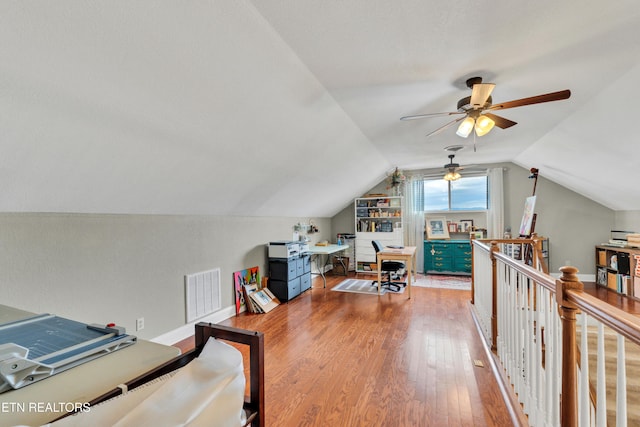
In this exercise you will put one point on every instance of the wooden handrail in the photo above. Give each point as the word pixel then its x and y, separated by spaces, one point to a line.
pixel 538 276
pixel 620 321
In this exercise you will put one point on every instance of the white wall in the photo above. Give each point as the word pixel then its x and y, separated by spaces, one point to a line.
pixel 628 221
pixel 116 268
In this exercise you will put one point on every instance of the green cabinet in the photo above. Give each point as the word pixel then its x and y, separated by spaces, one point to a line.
pixel 447 256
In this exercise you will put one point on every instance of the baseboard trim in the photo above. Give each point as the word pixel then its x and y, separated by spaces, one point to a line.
pixel 185 331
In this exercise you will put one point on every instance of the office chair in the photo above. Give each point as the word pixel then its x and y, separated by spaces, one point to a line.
pixel 388 267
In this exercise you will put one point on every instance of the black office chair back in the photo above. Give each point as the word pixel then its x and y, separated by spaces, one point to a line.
pixel 377 245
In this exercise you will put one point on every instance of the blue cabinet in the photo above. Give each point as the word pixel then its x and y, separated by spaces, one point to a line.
pixel 289 277
pixel 447 257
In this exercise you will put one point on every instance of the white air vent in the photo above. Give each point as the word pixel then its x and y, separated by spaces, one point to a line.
pixel 202 293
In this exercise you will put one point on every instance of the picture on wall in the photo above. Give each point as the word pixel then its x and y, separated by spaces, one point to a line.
pixel 437 228
pixel 250 276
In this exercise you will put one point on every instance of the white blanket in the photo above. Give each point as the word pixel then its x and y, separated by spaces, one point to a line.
pixel 209 391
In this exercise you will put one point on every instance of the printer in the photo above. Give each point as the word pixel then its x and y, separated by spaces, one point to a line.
pixel 284 249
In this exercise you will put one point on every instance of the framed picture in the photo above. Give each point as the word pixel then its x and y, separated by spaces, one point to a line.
pixel 250 276
pixel 466 225
pixel 453 227
pixel 437 228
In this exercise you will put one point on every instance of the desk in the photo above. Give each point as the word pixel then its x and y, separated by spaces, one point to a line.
pixel 81 384
pixel 406 255
pixel 318 251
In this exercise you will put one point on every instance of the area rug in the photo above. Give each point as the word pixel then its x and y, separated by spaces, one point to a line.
pixel 359 286
pixel 444 282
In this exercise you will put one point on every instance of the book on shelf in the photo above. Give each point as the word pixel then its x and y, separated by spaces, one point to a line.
pixel 636 286
pixel 612 281
pixel 623 283
pixel 601 278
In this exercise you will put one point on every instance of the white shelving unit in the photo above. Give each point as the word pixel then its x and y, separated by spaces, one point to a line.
pixel 376 218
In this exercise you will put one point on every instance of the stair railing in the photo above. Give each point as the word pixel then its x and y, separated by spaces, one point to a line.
pixel 530 321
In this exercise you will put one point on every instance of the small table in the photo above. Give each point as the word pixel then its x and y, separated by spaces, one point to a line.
pixel 318 251
pixel 406 255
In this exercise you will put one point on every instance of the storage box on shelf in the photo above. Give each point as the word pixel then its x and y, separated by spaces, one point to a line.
pixel 376 218
pixel 447 257
pixel 618 269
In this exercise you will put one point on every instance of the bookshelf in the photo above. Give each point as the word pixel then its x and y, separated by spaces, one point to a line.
pixel 618 269
pixel 376 218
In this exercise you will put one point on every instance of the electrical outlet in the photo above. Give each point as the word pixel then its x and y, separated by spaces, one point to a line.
pixel 140 324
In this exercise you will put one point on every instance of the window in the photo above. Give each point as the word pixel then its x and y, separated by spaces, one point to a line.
pixel 468 193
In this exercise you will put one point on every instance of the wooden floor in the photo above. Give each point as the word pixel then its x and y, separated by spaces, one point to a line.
pixel 344 359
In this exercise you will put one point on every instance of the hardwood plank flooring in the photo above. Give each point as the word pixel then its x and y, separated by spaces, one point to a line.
pixel 344 359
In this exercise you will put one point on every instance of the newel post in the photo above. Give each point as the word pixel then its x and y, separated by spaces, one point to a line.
pixel 567 311
pixel 494 295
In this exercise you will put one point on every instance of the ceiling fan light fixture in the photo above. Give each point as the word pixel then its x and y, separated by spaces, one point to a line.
pixel 465 127
pixel 483 125
pixel 451 176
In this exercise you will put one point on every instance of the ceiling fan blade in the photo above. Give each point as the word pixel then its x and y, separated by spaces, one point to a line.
pixel 501 122
pixel 547 97
pixel 423 116
pixel 480 94
pixel 440 129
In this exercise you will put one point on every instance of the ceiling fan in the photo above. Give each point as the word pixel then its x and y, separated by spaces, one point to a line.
pixel 475 110
pixel 452 170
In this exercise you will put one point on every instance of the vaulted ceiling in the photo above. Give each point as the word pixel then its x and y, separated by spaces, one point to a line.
pixel 292 107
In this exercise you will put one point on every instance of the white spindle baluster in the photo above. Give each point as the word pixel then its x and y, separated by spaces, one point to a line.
pixel 584 403
pixel 601 387
pixel 519 331
pixel 621 387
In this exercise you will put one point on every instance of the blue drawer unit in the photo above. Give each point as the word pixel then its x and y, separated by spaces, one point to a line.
pixel 289 277
pixel 447 257
pixel 285 291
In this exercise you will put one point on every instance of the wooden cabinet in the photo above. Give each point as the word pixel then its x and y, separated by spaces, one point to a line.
pixel 447 257
pixel 618 269
pixel 376 218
